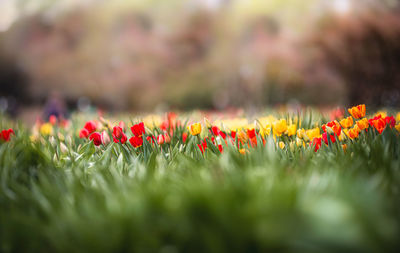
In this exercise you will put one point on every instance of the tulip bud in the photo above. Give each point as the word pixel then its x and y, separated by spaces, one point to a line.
pixel 207 122
pixel 291 146
pixel 105 138
pixel 160 139
pixel 68 140
pixel 52 141
pixel 63 148
pixel 167 138
pixel 61 137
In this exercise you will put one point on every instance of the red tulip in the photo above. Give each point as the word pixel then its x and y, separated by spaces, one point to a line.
pixel 96 138
pixel 53 119
pixel 90 126
pixel 215 130
pixel 118 135
pixel 325 138
pixel 150 139
pixel 391 121
pixel 251 133
pixel 84 133
pixel 136 141
pixel 184 137
pixel 233 134
pixel 317 143
pixel 378 122
pixel 138 129
pixel 5 134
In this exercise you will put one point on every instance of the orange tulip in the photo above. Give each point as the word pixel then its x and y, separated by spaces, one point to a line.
pixel 363 123
pixel 347 122
pixel 357 111
pixel 353 132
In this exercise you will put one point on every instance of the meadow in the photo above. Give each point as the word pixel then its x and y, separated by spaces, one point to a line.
pixel 276 182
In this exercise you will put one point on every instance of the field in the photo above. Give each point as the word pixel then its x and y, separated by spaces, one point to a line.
pixel 279 182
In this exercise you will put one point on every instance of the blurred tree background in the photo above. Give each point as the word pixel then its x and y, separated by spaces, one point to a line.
pixel 212 54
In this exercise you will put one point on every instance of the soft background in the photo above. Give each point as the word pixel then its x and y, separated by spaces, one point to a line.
pixel 147 55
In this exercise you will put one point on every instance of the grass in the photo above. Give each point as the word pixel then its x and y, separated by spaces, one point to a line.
pixel 114 199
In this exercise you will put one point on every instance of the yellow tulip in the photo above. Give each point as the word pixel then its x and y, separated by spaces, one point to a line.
pixel 397 127
pixel 279 127
pixel 281 145
pixel 300 133
pixel 46 129
pixel 265 130
pixel 194 129
pixel 291 130
pixel 313 133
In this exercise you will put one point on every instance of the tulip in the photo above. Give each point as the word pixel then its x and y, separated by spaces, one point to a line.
pixel 53 120
pixel 378 123
pixel 118 135
pixel 242 137
pixel 160 139
pixel 279 127
pixel 316 143
pixel 332 127
pixel 325 138
pixel 281 145
pixel 6 134
pixel 312 133
pixel 90 126
pixel 138 129
pixel 63 148
pixel 136 141
pixel 362 123
pixel 96 138
pixel 46 129
pixel 150 139
pixel 83 133
pixel 265 130
pixel 167 138
pixel 105 138
pixel 184 137
pixel 357 111
pixel 300 133
pixel 194 129
pixel 397 127
pixel 353 132
pixel 347 122
pixel 122 125
pixel 390 120
pixel 251 133
pixel 291 130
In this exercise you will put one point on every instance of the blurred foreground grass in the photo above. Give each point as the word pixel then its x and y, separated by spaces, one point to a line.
pixel 88 200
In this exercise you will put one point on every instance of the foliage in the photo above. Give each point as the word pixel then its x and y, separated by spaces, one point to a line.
pixel 170 197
